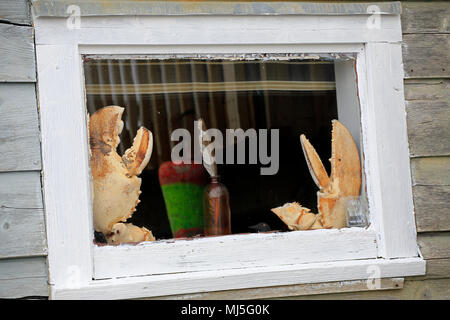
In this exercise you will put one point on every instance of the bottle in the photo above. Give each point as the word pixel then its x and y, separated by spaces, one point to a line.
pixel 216 209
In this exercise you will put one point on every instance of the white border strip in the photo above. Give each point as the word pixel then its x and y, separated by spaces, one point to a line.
pixel 181 283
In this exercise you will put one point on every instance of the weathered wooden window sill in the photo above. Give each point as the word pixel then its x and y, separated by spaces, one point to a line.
pixel 310 276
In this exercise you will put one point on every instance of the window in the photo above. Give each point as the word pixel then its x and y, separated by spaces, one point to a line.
pixel 362 85
pixel 293 96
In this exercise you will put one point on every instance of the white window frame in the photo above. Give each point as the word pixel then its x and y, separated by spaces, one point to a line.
pixel 79 269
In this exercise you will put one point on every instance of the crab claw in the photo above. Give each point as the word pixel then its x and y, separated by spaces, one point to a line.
pixel 344 181
pixel 315 165
pixel 345 162
pixel 138 155
pixel 116 187
pixel 128 233
pixel 345 178
pixel 295 216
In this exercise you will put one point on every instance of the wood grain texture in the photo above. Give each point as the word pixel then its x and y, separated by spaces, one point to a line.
pixel 23 277
pixel 15 11
pixel 61 98
pixel 436 269
pixel 427 89
pixel 425 17
pixel 426 55
pixel 432 208
pixel 248 250
pixel 17 61
pixel 184 30
pixel 51 8
pixel 428 117
pixel 219 280
pixel 434 245
pixel 388 178
pixel 431 171
pixel 286 291
pixel 22 230
pixel 68 210
pixel 19 127
pixel 412 290
pixel 21 208
pixel 21 190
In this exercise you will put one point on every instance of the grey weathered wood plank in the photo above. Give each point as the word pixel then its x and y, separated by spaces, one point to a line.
pixel 425 17
pixel 428 117
pixel 427 89
pixel 414 290
pixel 431 171
pixel 431 205
pixel 21 190
pixel 52 8
pixel 434 245
pixel 15 11
pixel 23 277
pixel 19 128
pixel 22 232
pixel 17 59
pixel 436 269
pixel 23 267
pixel 428 128
pixel 284 291
pixel 426 55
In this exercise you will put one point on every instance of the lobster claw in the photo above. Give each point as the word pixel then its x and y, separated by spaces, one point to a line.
pixel 344 181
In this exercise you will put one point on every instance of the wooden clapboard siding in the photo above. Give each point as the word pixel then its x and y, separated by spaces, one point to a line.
pixel 432 208
pixel 436 269
pixel 15 11
pixel 426 89
pixel 428 114
pixel 428 118
pixel 23 268
pixel 431 191
pixel 431 171
pixel 23 277
pixel 425 17
pixel 434 245
pixel 22 230
pixel 427 102
pixel 21 190
pixel 19 129
pixel 426 55
pixel 17 61
pixel 426 61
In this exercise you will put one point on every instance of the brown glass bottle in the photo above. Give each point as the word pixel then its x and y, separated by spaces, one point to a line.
pixel 216 209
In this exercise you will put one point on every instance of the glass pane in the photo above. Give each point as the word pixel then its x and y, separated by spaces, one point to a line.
pixel 293 96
